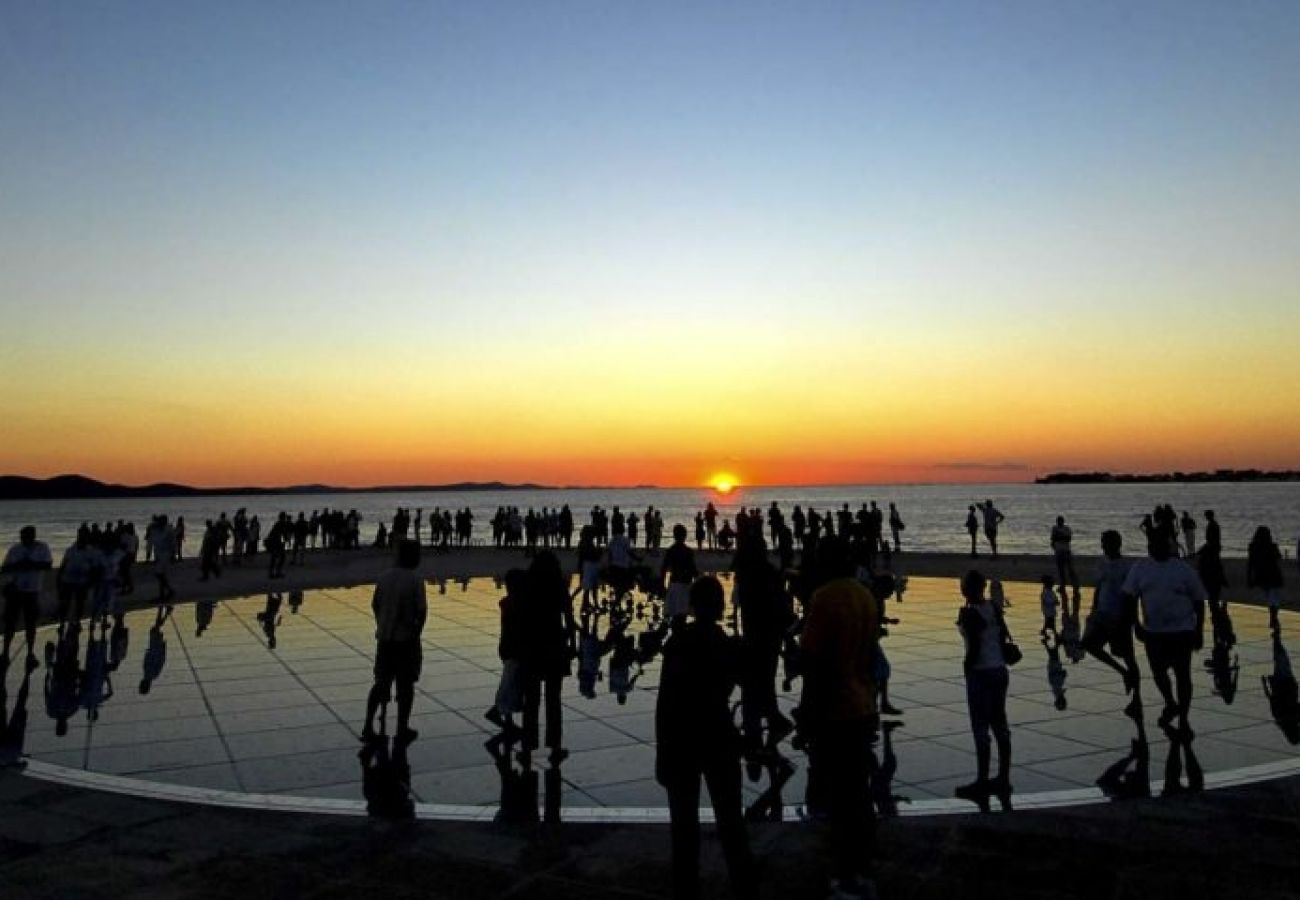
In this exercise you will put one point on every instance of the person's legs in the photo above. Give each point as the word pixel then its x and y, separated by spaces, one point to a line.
pixel 31 609
pixel 379 695
pixel 723 779
pixel 978 703
pixel 405 700
pixel 1001 732
pixel 684 816
pixel 532 697
pixel 11 619
pixel 1158 660
pixel 1181 662
pixel 554 715
pixel 848 755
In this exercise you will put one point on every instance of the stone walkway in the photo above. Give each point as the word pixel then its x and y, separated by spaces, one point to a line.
pixel 60 842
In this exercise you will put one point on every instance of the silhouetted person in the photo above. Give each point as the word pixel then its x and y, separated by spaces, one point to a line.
pixel 678 571
pixel 993 518
pixel 837 709
pixel 548 652
pixel 511 649
pixel 695 739
pixel 25 564
pixel 400 608
pixel 765 615
pixel 1188 524
pixel 985 635
pixel 81 567
pixel 973 529
pixel 162 538
pixel 896 527
pixel 1061 539
pixel 1264 571
pixel 1173 614
pixel 209 552
pixel 1109 632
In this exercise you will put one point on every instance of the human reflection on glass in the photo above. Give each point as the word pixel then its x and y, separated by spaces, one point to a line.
pixel 769 806
pixel 1223 664
pixel 518 803
pixel 269 618
pixel 883 772
pixel 63 675
pixel 203 613
pixel 1281 690
pixel 386 777
pixel 13 725
pixel 118 643
pixel 551 806
pixel 96 680
pixel 1182 759
pixel 1056 674
pixel 155 656
pixel 1130 777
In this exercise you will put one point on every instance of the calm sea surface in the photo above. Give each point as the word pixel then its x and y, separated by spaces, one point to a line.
pixel 934 514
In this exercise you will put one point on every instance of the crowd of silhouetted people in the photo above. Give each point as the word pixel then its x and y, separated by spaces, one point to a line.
pixel 807 606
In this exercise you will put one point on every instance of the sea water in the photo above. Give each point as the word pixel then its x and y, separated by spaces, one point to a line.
pixel 934 514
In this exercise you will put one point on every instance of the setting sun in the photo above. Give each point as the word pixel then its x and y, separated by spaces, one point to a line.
pixel 723 483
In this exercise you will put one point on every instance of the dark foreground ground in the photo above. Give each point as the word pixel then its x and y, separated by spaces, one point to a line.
pixel 60 842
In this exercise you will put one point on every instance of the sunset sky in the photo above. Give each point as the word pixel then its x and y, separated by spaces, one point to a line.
pixel 617 242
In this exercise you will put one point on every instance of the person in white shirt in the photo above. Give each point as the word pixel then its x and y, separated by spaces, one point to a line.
pixel 25 564
pixel 1173 615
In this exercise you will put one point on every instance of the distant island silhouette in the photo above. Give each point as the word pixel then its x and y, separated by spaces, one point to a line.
pixel 1220 475
pixel 81 487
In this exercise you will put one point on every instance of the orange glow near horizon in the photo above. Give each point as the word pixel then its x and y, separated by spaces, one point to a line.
pixel 724 482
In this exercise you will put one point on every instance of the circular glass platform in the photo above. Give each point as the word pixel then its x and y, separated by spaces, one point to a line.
pixel 243 703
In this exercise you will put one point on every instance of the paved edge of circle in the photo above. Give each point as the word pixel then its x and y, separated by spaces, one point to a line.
pixel 651 815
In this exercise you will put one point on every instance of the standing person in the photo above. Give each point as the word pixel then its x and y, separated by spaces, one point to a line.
pixel 973 529
pixel 1173 615
pixel 679 572
pixel 1048 601
pixel 163 540
pixel 1264 571
pixel 547 611
pixel 984 632
pixel 1110 624
pixel 896 526
pixel 765 614
pixel 589 557
pixel 1189 532
pixel 400 608
pixel 695 739
pixel 1061 539
pixel 837 710
pixel 25 564
pixel 510 648
pixel 992 519
pixel 1213 535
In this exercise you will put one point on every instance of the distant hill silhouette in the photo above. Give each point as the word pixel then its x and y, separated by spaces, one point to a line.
pixel 79 487
pixel 1221 475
